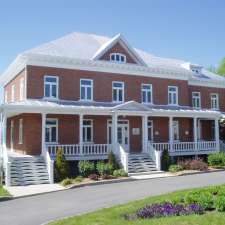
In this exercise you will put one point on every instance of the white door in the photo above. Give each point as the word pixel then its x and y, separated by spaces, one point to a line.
pixel 122 133
pixel 11 134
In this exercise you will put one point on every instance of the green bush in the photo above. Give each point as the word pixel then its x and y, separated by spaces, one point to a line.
pixel 112 160
pixel 120 173
pixel 79 179
pixel 217 159
pixel 61 168
pixel 86 168
pixel 165 160
pixel 192 197
pixel 67 182
pixel 220 203
pixel 175 168
pixel 104 168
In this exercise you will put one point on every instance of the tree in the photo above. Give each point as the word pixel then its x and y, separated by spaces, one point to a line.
pixel 221 68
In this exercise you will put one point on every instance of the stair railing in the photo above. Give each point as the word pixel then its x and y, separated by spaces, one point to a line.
pixel 155 155
pixel 123 157
pixel 50 165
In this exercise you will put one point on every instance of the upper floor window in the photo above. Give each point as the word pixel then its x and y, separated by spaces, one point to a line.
pixel 87 130
pixel 214 101
pixel 86 89
pixel 13 93
pixel 21 89
pixel 196 99
pixel 20 131
pixel 172 95
pixel 146 92
pixel 118 91
pixel 118 57
pixel 51 87
pixel 6 97
pixel 51 130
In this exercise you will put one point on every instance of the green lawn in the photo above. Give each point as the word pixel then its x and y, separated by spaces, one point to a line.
pixel 112 216
pixel 3 192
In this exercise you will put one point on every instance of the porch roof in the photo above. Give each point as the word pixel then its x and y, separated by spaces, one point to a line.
pixel 104 108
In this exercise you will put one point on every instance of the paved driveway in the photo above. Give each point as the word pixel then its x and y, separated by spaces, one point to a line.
pixel 40 209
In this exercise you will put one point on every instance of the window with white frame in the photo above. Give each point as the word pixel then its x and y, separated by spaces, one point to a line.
pixel 86 89
pixel 51 131
pixel 51 87
pixel 214 101
pixel 6 97
pixel 196 99
pixel 172 95
pixel 21 88
pixel 87 130
pixel 20 131
pixel 118 91
pixel 175 130
pixel 13 93
pixel 146 93
pixel 118 57
pixel 150 130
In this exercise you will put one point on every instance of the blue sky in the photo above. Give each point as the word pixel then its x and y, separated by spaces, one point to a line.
pixel 193 30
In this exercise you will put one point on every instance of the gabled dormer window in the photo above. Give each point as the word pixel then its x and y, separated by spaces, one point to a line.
pixel 118 57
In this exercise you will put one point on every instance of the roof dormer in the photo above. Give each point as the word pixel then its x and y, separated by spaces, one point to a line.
pixel 195 68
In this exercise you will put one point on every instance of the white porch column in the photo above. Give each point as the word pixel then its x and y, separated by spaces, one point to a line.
pixel 43 130
pixel 195 132
pixel 171 133
pixel 114 132
pixel 217 136
pixel 81 116
pixel 144 133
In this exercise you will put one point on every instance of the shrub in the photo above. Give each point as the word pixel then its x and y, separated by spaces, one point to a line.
pixel 86 168
pixel 192 197
pixel 104 168
pixel 93 176
pixel 79 179
pixel 216 159
pixel 175 168
pixel 220 203
pixel 67 182
pixel 107 177
pixel 61 167
pixel 120 173
pixel 112 161
pixel 165 160
pixel 193 164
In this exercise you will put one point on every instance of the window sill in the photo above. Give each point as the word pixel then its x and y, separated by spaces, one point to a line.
pixel 51 99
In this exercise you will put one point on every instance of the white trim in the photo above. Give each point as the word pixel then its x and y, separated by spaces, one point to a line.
pixel 21 89
pixel 115 54
pixel 5 96
pixel 25 84
pixel 212 101
pixel 176 125
pixel 20 139
pixel 152 128
pixel 87 126
pixel 13 93
pixel 57 127
pixel 117 91
pixel 12 134
pixel 193 98
pixel 51 83
pixel 151 91
pixel 86 99
pixel 172 92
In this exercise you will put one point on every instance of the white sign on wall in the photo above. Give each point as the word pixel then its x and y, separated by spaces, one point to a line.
pixel 136 131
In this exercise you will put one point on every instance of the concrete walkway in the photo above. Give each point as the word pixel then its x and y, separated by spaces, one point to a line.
pixel 23 191
pixel 37 210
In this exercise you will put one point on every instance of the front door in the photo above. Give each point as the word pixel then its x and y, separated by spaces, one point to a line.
pixel 122 133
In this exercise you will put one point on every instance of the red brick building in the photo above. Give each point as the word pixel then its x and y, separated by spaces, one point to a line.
pixel 89 95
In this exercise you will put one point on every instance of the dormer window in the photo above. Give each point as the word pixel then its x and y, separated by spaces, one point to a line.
pixel 118 57
pixel 197 71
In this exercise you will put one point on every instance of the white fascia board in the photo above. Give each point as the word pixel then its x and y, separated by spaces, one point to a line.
pixel 207 83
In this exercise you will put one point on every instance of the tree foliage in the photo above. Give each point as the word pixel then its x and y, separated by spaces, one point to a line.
pixel 221 68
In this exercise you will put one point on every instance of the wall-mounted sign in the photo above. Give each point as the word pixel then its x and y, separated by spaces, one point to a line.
pixel 136 131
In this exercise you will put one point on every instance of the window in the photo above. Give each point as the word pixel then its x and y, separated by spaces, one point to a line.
pixel 13 93
pixel 21 89
pixel 146 93
pixel 118 91
pixel 20 131
pixel 87 131
pixel 196 99
pixel 175 130
pixel 172 95
pixel 150 130
pixel 214 101
pixel 51 87
pixel 51 131
pixel 118 57
pixel 6 97
pixel 86 89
